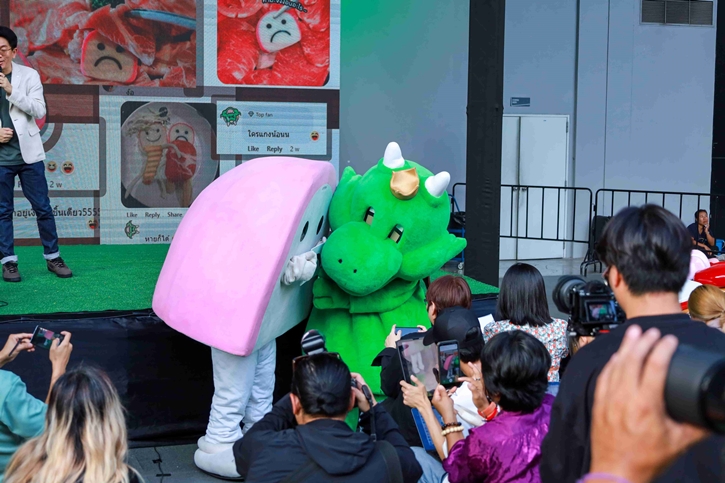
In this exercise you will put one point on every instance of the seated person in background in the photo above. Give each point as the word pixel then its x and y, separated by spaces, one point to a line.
pixel 443 293
pixel 21 415
pixel 633 437
pixel 700 233
pixel 305 437
pixel 85 436
pixel 522 305
pixel 508 448
pixel 707 304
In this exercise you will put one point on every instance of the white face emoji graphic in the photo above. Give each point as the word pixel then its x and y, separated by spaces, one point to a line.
pixel 181 132
pixel 277 30
pixel 153 135
pixel 102 59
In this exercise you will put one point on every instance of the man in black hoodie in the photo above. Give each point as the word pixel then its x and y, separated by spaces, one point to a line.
pixel 647 254
pixel 305 437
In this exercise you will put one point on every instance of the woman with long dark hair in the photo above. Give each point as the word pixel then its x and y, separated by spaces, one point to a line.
pixel 522 305
pixel 85 436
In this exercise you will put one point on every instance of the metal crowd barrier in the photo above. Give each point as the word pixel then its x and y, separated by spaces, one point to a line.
pixel 545 213
pixel 573 215
pixel 609 201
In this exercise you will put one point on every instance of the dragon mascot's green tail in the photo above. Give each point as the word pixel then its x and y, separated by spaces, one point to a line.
pixel 389 232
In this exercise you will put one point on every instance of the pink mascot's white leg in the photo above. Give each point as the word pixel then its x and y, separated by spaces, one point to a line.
pixel 236 278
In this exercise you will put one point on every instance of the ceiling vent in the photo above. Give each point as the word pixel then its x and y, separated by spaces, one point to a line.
pixel 678 12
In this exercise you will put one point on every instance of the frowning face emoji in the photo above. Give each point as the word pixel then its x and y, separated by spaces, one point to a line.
pixel 181 132
pixel 67 167
pixel 277 30
pixel 105 60
pixel 51 166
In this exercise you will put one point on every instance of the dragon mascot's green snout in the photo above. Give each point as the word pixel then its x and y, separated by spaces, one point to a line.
pixel 389 232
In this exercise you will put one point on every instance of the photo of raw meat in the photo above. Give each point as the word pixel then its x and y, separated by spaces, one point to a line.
pixel 268 43
pixel 165 154
pixel 149 43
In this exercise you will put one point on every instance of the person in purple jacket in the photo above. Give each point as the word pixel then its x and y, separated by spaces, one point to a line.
pixel 507 449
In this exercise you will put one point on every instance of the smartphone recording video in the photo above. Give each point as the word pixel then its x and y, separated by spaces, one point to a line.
pixel 44 337
pixel 419 360
pixel 449 362
pixel 407 330
pixel 431 365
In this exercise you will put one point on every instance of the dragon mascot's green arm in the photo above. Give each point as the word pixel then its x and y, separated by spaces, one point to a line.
pixel 389 232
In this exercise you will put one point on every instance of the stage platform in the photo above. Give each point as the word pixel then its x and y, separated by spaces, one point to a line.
pixel 105 277
pixel 164 378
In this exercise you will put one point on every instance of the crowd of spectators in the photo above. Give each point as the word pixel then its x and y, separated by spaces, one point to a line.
pixel 513 416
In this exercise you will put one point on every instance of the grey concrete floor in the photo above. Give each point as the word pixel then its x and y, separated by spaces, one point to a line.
pixel 168 464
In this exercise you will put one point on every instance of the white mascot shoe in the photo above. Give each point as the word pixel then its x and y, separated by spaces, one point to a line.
pixel 220 465
pixel 212 448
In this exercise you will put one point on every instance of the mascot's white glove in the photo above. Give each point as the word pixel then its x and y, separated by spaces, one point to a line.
pixel 301 268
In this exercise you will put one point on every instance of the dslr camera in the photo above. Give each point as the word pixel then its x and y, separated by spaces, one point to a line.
pixel 591 306
pixel 313 342
pixel 695 385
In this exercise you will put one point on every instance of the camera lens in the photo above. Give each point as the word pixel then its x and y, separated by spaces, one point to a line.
pixel 695 388
pixel 563 291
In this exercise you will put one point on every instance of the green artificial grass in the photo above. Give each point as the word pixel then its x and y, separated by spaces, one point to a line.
pixel 477 288
pixel 105 277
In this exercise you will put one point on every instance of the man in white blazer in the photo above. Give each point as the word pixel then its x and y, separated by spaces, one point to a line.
pixel 22 155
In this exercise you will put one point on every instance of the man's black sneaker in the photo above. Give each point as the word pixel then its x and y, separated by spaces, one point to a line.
pixel 10 272
pixel 58 267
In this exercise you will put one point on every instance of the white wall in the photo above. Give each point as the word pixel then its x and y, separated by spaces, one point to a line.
pixel 539 56
pixel 644 113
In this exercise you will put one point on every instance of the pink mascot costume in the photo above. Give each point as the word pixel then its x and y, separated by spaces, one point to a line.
pixel 235 279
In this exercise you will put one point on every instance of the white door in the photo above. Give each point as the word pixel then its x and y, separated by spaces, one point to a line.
pixel 539 158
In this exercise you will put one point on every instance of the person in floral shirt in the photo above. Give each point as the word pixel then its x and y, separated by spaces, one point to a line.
pixel 522 306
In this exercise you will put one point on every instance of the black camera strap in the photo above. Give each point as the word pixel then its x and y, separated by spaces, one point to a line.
pixel 392 461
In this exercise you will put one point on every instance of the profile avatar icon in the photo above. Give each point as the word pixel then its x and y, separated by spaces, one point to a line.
pixel 277 30
pixel 103 59
pixel 231 116
pixel 131 230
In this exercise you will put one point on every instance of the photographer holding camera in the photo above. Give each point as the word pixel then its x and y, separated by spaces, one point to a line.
pixel 305 437
pixel 647 253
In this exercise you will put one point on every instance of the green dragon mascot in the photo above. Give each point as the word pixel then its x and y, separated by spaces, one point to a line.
pixel 389 232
